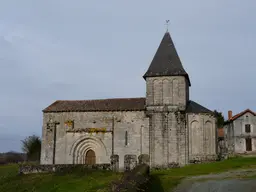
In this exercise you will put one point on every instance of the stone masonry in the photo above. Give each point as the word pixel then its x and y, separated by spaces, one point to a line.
pixel 165 127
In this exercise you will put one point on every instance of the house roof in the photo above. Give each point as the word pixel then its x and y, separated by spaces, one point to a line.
pixel 117 104
pixel 194 107
pixel 241 114
pixel 166 61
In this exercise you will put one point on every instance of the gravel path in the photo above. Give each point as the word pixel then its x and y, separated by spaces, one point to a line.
pixel 223 182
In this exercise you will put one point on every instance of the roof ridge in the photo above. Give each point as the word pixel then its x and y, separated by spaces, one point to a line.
pixel 104 99
pixel 242 113
pixel 114 104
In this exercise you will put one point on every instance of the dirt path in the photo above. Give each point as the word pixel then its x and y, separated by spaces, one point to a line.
pixel 232 181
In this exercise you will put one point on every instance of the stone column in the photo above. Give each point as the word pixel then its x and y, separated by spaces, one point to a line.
pixel 51 140
pixel 151 138
pixel 182 139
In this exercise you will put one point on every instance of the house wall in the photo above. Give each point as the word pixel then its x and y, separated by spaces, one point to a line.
pixel 240 134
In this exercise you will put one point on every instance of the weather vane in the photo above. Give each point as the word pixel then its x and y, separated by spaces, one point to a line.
pixel 167 25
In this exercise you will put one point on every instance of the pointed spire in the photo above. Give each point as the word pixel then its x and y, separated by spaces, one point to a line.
pixel 166 61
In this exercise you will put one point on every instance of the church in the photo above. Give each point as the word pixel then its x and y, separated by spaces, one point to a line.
pixel 165 127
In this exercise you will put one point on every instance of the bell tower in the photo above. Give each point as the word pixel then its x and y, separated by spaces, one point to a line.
pixel 167 94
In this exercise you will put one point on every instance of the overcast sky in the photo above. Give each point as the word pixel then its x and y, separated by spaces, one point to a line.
pixel 81 49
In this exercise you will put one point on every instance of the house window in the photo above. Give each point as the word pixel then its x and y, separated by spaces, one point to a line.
pixel 247 128
pixel 126 138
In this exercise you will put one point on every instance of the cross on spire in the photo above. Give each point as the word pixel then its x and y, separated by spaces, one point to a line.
pixel 167 25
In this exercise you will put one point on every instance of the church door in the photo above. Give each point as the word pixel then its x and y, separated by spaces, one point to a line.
pixel 248 144
pixel 90 158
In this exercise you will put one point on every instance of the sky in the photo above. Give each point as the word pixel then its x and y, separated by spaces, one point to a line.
pixel 80 49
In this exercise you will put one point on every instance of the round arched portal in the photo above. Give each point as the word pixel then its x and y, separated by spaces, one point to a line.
pixel 90 157
pixel 92 147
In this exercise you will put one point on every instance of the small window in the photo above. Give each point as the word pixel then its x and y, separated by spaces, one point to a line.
pixel 247 128
pixel 126 138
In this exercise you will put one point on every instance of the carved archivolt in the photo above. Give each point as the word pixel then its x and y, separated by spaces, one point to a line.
pixel 80 147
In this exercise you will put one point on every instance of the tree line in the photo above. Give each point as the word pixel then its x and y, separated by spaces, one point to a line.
pixel 31 148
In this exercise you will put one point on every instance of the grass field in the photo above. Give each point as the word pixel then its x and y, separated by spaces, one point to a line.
pixel 162 180
pixel 75 182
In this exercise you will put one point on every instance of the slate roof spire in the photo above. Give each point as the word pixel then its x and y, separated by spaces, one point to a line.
pixel 166 61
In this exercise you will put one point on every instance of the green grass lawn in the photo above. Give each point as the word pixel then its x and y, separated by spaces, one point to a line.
pixel 75 182
pixel 164 180
pixel 161 181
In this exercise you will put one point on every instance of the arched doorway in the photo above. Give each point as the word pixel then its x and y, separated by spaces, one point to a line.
pixel 90 158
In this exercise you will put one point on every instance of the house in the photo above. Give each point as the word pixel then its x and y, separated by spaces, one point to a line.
pixel 240 132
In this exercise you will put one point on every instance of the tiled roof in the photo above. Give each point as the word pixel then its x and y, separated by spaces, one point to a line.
pixel 241 114
pixel 118 104
pixel 166 61
pixel 194 107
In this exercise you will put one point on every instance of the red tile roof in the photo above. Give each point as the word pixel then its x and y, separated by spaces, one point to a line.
pixel 241 114
pixel 117 104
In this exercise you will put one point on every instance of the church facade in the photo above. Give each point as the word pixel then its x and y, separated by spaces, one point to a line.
pixel 164 126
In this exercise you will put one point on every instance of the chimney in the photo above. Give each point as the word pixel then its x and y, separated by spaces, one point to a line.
pixel 229 115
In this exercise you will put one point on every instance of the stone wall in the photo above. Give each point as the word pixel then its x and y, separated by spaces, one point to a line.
pixel 72 145
pixel 203 137
pixel 134 180
pixel 27 169
pixel 229 138
pixel 171 90
pixel 166 96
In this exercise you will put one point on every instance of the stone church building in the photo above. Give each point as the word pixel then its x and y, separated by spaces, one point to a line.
pixel 164 127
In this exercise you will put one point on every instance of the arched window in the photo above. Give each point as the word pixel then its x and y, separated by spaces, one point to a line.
pixel 126 138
